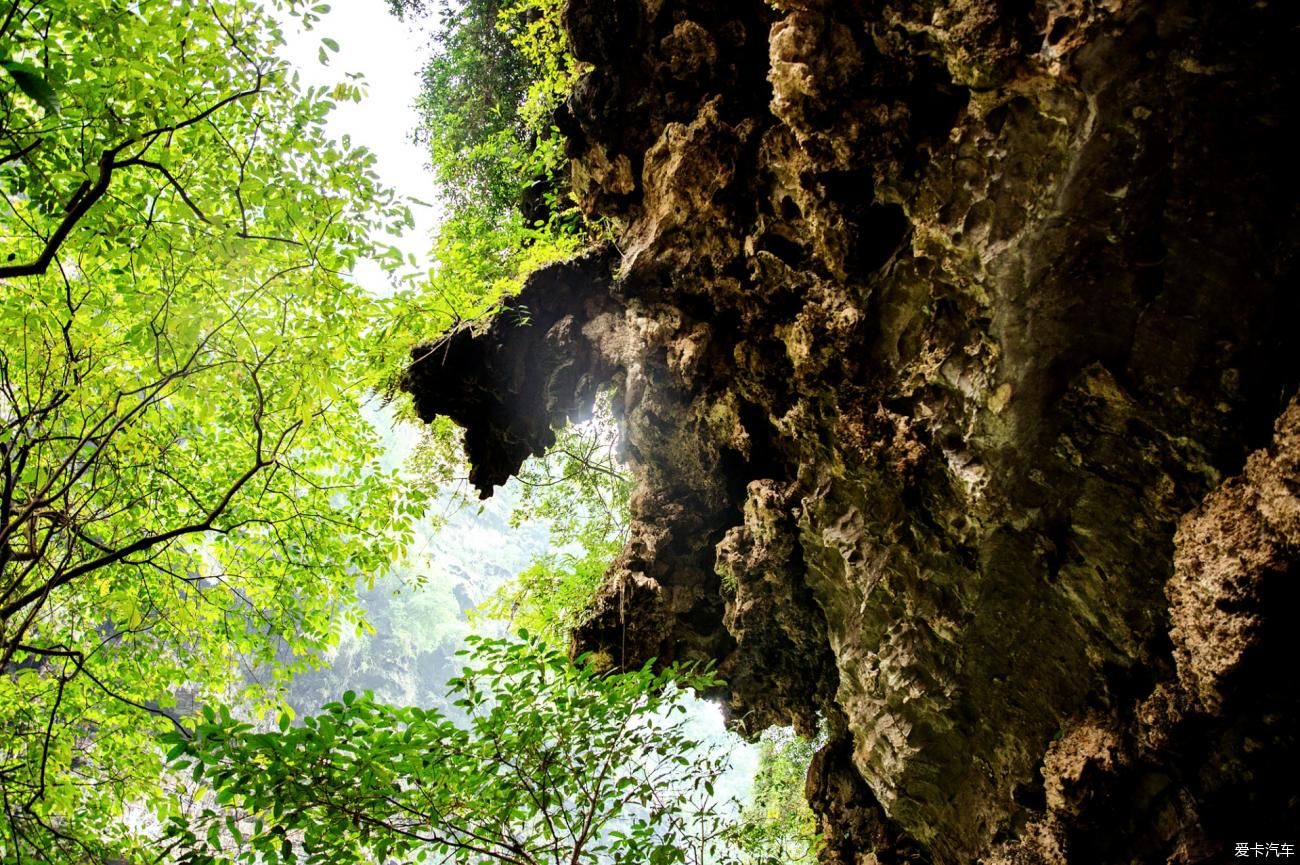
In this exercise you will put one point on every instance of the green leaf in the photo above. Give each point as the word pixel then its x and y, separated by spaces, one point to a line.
pixel 33 84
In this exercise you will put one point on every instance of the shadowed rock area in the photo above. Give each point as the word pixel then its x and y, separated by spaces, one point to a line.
pixel 509 381
pixel 954 344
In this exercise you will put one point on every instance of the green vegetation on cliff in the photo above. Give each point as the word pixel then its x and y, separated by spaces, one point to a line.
pixel 498 71
pixel 581 490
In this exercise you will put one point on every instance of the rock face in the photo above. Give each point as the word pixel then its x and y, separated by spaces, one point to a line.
pixel 943 332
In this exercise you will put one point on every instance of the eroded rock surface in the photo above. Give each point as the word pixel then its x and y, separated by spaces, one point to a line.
pixel 937 328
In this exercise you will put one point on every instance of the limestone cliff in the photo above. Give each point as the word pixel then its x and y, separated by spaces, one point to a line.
pixel 954 343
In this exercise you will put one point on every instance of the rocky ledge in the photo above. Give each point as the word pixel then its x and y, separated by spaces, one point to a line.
pixel 954 344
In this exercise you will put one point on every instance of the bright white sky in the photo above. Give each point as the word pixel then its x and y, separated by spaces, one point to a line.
pixel 391 54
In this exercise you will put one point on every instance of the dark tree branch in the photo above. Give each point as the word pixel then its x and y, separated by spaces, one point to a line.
pixel 49 734
pixel 159 167
pixel 79 660
pixel 148 541
pixel 13 9
pixel 79 206
pixel 19 154
pixel 89 194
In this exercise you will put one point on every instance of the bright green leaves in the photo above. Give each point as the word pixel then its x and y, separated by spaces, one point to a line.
pixel 553 762
pixel 328 46
pixel 189 492
pixel 581 489
pixel 473 87
pixel 176 97
pixel 777 820
pixel 536 31
pixel 552 595
pixel 498 71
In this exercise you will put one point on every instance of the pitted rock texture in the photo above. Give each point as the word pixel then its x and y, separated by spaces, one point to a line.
pixel 932 323
pixel 1235 569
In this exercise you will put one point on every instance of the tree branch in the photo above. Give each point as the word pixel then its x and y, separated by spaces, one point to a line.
pixel 159 167
pixel 79 660
pixel 87 196
pixel 80 206
pixel 19 154
pixel 10 17
pixel 140 544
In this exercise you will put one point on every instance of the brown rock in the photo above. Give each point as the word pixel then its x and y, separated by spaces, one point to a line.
pixel 932 323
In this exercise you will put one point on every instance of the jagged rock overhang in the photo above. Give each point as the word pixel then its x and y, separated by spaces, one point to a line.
pixel 932 321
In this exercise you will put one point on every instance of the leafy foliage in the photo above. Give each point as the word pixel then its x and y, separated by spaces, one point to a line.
pixel 29 81
pixel 479 257
pixel 473 82
pixel 404 653
pixel 581 489
pixel 553 593
pixel 499 70
pixel 184 478
pixel 779 824
pixel 556 764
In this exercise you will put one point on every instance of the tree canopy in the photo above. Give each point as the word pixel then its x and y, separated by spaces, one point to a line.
pixel 555 764
pixel 499 69
pixel 187 485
